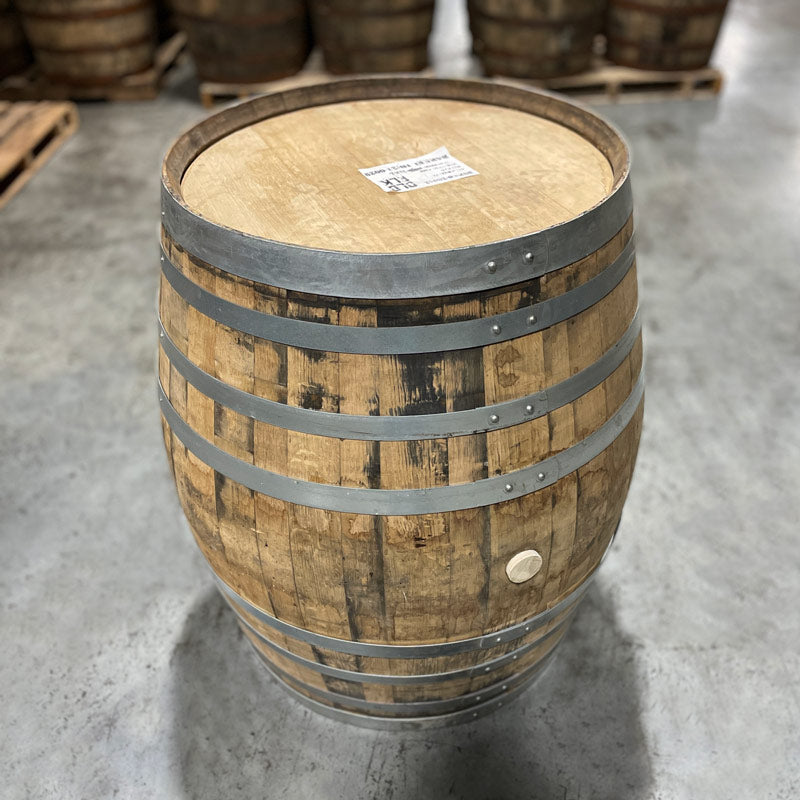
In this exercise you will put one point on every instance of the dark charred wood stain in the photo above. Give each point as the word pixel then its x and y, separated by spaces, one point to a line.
pixel 372 468
pixel 233 427
pixel 420 375
pixel 312 395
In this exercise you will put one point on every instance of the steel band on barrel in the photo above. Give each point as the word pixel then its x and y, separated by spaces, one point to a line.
pixel 406 427
pixel 409 680
pixel 404 502
pixel 395 275
pixel 434 338
pixel 478 709
pixel 420 706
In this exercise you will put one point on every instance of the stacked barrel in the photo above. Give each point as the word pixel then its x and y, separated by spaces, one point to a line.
pixel 373 35
pixel 15 54
pixel 663 34
pixel 90 42
pixel 535 38
pixel 245 41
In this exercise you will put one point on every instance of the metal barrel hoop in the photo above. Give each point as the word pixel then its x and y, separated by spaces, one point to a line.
pixel 481 669
pixel 477 710
pixel 484 492
pixel 395 275
pixel 403 339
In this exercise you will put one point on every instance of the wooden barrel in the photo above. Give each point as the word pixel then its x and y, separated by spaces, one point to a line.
pixel 402 424
pixel 15 55
pixel 663 34
pixel 245 41
pixel 90 42
pixel 373 35
pixel 535 38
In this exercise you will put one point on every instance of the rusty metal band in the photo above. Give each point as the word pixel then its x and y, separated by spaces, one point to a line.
pixel 88 15
pixel 403 339
pixel 405 427
pixel 592 20
pixel 408 708
pixel 404 502
pixel 484 668
pixel 396 275
pixel 469 714
pixel 669 10
pixel 359 13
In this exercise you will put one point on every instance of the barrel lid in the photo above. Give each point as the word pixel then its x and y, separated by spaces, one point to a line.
pixel 273 190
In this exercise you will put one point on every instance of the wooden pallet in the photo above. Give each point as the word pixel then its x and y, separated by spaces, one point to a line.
pixel 610 83
pixel 32 85
pixel 313 72
pixel 29 134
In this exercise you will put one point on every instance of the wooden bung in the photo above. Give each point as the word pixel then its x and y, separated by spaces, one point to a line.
pixel 402 424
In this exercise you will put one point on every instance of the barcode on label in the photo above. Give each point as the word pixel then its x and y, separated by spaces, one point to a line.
pixel 417 173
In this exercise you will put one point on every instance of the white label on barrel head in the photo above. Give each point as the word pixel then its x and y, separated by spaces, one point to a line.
pixel 417 173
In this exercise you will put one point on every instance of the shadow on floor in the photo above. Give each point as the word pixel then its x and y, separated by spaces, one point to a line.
pixel 575 734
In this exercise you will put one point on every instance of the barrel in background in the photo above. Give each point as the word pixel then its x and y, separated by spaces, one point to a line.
pixel 663 34
pixel 245 41
pixel 535 39
pixel 402 426
pixel 15 55
pixel 90 42
pixel 373 35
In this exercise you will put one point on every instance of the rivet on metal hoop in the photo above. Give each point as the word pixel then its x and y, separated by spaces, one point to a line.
pixel 532 319
pixel 496 329
pixel 493 418
pixel 541 476
pixel 508 488
pixel 491 266
pixel 529 409
pixel 528 257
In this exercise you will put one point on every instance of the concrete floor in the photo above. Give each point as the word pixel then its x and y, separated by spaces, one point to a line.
pixel 121 671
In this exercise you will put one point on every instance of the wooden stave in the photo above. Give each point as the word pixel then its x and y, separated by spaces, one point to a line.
pixel 661 35
pixel 305 307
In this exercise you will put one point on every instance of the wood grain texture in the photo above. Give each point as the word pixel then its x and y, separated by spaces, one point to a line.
pixel 30 133
pixel 414 578
pixel 535 174
pixel 663 34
